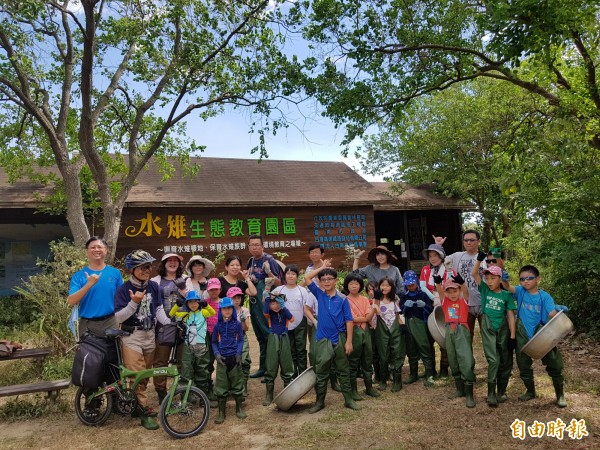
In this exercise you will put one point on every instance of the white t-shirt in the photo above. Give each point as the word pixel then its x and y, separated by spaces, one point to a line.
pixel 295 299
pixel 388 313
pixel 462 264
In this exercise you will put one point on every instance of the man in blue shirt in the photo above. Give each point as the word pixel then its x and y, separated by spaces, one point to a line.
pixel 93 289
pixel 334 334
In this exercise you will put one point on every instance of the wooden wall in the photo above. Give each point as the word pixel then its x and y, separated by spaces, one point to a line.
pixel 205 231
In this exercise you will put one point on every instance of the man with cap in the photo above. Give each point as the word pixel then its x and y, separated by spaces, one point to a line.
pixel 498 320
pixel 256 265
pixel 381 267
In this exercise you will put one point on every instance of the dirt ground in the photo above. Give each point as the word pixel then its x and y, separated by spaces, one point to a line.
pixel 414 418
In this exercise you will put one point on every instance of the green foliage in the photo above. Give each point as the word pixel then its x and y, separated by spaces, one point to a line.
pixel 38 406
pixel 15 313
pixel 48 290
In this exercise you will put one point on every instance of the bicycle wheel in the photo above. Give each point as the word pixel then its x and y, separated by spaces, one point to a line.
pixel 96 412
pixel 185 420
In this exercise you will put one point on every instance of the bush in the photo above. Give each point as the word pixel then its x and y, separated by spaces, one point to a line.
pixel 49 290
pixel 16 313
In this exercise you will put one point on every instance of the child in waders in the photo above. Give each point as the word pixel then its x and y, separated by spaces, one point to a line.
pixel 211 295
pixel 228 344
pixel 497 325
pixel 534 308
pixel 458 337
pixel 334 335
pixel 391 344
pixel 195 359
pixel 243 316
pixel 371 287
pixel 416 306
pixel 295 300
pixel 361 356
pixel 279 353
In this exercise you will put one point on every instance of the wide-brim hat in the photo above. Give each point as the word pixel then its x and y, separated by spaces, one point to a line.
pixel 208 265
pixel 434 248
pixel 380 249
pixel 168 255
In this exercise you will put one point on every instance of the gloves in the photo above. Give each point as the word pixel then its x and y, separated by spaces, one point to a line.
pixel 180 301
pixel 403 329
pixel 315 323
pixel 281 302
pixel 505 276
pixel 561 308
pixel 203 303
pixel 437 279
pixel 180 283
pixel 409 303
pixel 242 316
pixel 420 303
pixel 481 256
pixel 458 279
pixel 238 360
pixel 512 344
pixel 203 285
pixel 220 359
pixel 377 294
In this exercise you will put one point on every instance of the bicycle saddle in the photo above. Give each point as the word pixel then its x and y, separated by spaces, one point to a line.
pixel 114 332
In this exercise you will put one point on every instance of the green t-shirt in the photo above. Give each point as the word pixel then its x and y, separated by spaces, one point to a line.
pixel 495 304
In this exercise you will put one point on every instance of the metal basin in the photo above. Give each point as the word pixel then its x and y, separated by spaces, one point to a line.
pixel 548 336
pixel 296 389
pixel 436 322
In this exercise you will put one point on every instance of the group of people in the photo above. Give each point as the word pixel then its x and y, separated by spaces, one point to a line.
pixel 366 330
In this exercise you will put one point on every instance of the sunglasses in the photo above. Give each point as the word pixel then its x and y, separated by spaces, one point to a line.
pixel 469 240
pixel 491 261
pixel 529 278
pixel 145 267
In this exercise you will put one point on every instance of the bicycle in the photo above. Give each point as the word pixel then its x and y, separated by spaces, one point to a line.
pixel 183 413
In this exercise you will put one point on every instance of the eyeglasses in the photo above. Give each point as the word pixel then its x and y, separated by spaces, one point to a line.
pixel 254 245
pixel 145 267
pixel 491 261
pixel 327 279
pixel 529 278
pixel 469 240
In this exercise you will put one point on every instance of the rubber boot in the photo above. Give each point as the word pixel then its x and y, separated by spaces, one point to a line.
pixel 334 382
pixel 491 397
pixel 414 373
pixel 258 374
pixel 443 375
pixel 460 389
pixel 149 423
pixel 161 396
pixel 211 397
pixel 221 417
pixel 269 394
pixel 428 379
pixel 501 395
pixel 376 375
pixel 239 412
pixel 319 404
pixel 397 379
pixel 470 402
pixel 369 388
pixel 530 393
pixel 349 402
pixel 560 394
pixel 354 390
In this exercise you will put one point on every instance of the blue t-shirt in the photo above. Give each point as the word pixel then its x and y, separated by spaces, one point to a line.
pixel 255 266
pixel 99 301
pixel 278 321
pixel 146 310
pixel 533 309
pixel 334 312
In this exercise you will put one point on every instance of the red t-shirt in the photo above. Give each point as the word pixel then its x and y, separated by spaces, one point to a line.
pixel 428 279
pixel 456 312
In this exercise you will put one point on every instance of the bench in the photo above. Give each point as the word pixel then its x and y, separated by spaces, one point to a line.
pixel 53 388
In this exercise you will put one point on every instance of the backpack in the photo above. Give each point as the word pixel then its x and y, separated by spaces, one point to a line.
pixel 91 365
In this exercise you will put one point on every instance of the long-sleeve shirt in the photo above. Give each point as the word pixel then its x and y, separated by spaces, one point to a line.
pixel 228 336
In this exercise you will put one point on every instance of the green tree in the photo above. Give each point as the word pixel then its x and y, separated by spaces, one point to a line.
pixel 110 84
pixel 379 55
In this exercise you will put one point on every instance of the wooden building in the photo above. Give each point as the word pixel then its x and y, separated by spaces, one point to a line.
pixel 292 204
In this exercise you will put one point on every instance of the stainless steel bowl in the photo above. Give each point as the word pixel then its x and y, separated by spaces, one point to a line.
pixel 548 336
pixel 296 389
pixel 436 322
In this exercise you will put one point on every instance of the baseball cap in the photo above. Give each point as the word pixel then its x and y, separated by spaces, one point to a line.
pixel 225 302
pixel 450 283
pixel 213 283
pixel 410 277
pixel 168 255
pixel 494 270
pixel 233 291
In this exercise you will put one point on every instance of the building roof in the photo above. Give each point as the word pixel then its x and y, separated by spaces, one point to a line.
pixel 402 196
pixel 240 182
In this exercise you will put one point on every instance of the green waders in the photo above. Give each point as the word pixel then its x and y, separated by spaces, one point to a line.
pixel 462 363
pixel 297 338
pixel 328 355
pixel 229 381
pixel 376 364
pixel 260 327
pixel 391 347
pixel 361 357
pixel 417 346
pixel 208 366
pixel 194 366
pixel 495 348
pixel 552 361
pixel 279 354
pixel 246 363
pixel 311 356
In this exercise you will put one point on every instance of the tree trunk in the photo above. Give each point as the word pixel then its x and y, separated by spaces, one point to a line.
pixel 70 174
pixel 112 224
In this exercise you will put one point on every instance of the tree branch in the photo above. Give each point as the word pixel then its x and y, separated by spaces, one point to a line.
pixel 589 67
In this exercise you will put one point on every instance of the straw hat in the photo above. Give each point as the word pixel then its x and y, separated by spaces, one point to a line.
pixel 208 265
pixel 380 249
